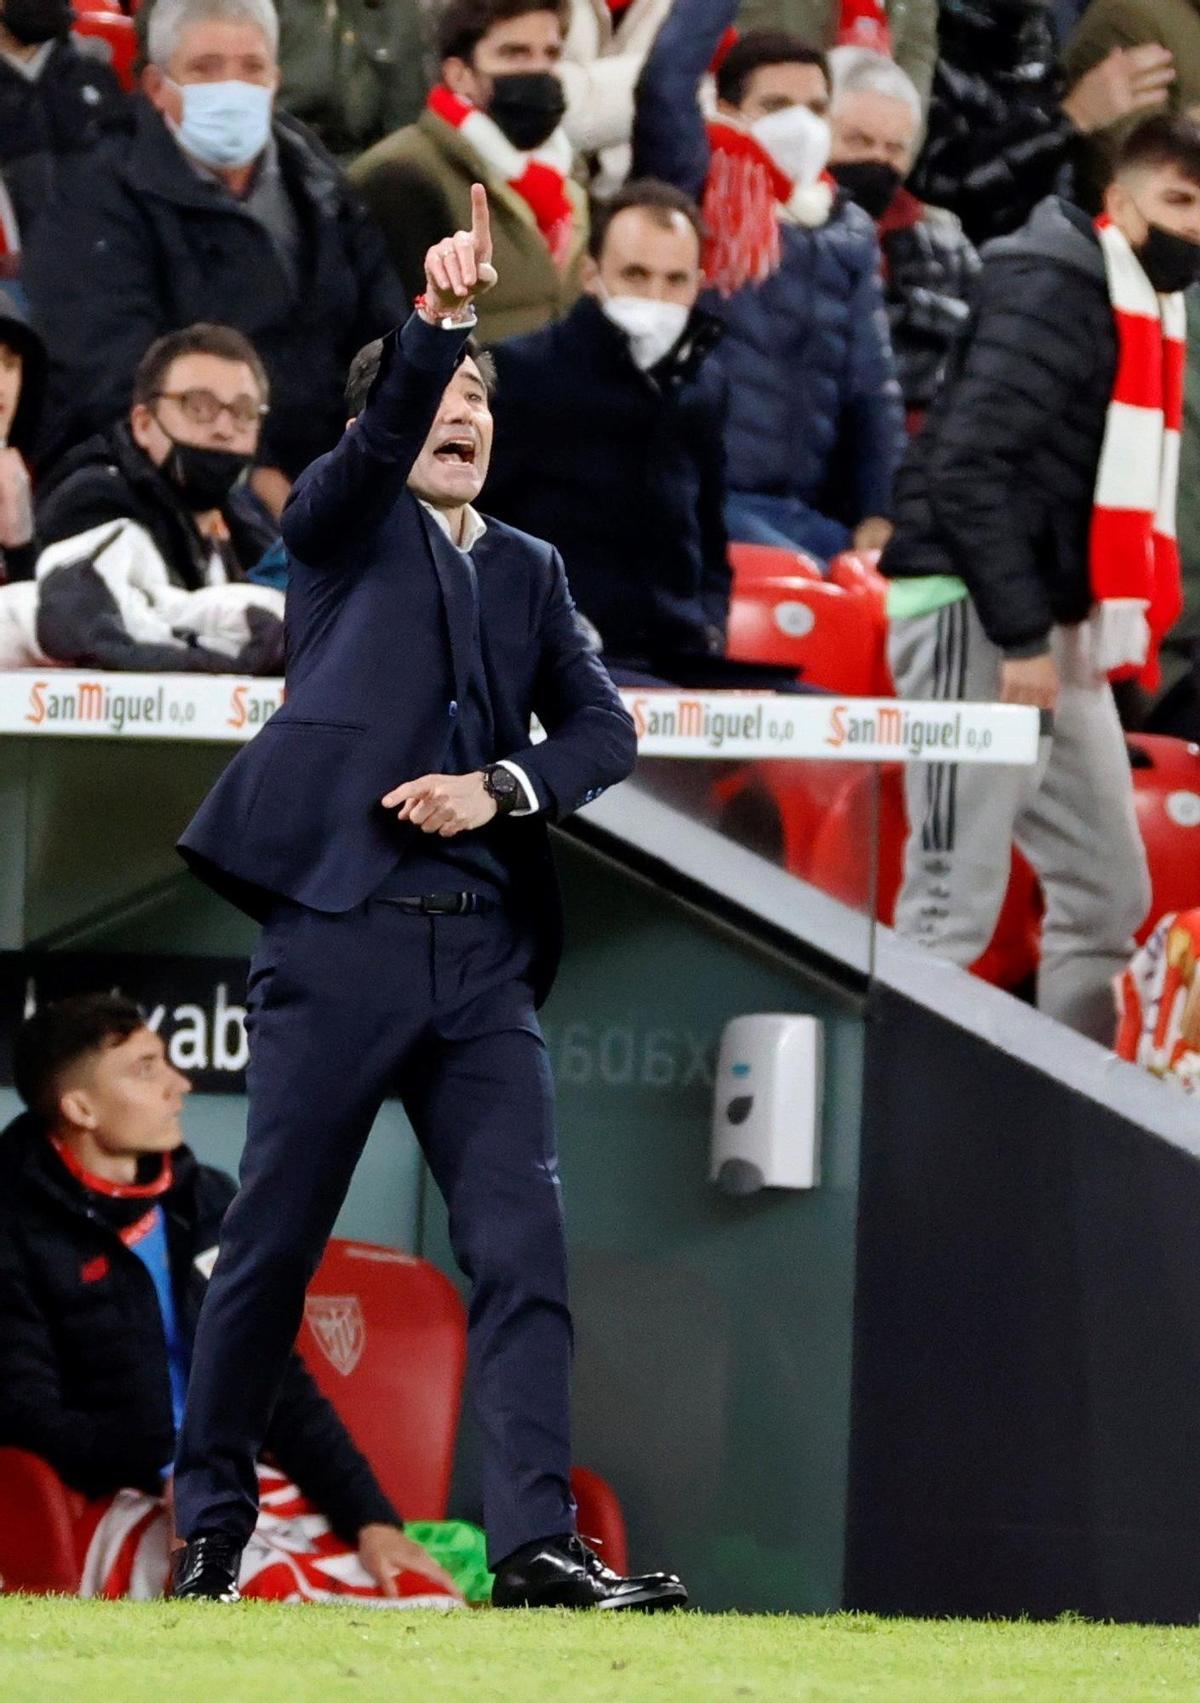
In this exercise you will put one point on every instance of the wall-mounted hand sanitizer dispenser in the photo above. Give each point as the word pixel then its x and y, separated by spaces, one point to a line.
pixel 767 1110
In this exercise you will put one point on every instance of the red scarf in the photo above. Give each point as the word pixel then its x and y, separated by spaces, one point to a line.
pixel 538 177
pixel 744 194
pixel 1136 586
pixel 863 23
pixel 10 238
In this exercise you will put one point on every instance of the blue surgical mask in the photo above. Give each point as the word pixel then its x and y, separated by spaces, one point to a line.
pixel 224 125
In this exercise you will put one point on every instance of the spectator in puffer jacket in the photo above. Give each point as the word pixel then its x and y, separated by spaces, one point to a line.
pixel 164 491
pixel 1000 134
pixel 609 441
pixel 928 264
pixel 214 208
pixel 1029 565
pixel 55 101
pixel 815 419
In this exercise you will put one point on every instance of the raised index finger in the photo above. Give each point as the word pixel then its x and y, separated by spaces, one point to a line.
pixel 481 224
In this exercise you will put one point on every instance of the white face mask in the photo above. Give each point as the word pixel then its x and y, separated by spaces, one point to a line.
pixel 653 328
pixel 225 125
pixel 797 141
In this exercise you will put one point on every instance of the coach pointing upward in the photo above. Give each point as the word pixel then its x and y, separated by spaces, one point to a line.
pixel 389 827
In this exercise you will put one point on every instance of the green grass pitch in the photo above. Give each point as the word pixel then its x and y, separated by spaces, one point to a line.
pixel 62 1651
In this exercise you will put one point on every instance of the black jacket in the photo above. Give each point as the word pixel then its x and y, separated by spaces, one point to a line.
pixel 137 243
pixel 17 333
pixel 929 271
pixel 996 141
pixel 624 472
pixel 110 478
pixel 998 487
pixel 83 1360
pixel 69 107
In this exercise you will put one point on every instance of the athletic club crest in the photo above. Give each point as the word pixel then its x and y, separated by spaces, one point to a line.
pixel 341 1331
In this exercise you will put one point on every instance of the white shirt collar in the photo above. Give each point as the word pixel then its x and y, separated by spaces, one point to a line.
pixel 474 525
pixel 31 68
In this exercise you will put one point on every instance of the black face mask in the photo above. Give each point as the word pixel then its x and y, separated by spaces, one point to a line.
pixel 35 21
pixel 204 477
pixel 1170 262
pixel 528 106
pixel 869 182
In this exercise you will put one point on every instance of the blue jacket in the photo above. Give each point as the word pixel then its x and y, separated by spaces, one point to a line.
pixel 815 409
pixel 379 640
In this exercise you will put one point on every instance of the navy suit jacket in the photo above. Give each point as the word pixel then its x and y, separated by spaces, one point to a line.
pixel 378 650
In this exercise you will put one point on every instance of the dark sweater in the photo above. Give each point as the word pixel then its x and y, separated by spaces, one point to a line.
pixel 83 1359
pixel 998 487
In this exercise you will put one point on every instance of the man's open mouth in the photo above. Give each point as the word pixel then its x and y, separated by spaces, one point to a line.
pixel 457 449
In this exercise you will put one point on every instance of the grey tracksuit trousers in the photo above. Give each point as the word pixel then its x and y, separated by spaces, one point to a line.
pixel 1072 816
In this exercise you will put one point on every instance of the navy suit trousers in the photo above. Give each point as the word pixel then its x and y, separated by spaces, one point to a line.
pixel 341 1010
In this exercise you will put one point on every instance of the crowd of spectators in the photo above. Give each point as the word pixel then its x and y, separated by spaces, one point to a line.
pixel 739 249
pixel 822 171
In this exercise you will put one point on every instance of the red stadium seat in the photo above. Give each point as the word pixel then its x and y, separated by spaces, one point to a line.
pixel 384 1336
pixel 838 860
pixel 860 568
pixel 830 634
pixel 119 34
pixel 37 1523
pixel 754 562
pixel 1166 793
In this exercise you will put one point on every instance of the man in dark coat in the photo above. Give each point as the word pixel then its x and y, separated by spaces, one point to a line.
pixel 410 932
pixel 96 1192
pixel 992 595
pixel 213 212
pixel 56 101
pixel 610 439
pixel 815 426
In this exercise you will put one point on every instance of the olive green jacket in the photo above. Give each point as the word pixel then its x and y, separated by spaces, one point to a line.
pixel 1106 24
pixel 355 70
pixel 912 23
pixel 417 184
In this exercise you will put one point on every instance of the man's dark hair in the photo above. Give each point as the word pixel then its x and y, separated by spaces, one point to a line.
pixel 57 1036
pixel 364 370
pixel 1162 141
pixel 464 23
pixel 219 340
pixel 759 48
pixel 660 200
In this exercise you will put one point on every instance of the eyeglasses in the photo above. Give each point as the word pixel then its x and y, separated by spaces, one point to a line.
pixel 205 409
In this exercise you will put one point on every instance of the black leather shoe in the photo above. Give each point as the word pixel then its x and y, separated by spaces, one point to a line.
pixel 565 1573
pixel 208 1566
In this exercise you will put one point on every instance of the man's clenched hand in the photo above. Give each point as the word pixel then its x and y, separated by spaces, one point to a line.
pixel 443 804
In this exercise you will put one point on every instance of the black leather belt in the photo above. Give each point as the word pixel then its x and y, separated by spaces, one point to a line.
pixel 442 904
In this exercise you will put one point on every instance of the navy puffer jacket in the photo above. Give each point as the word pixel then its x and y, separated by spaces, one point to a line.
pixel 810 371
pixel 815 409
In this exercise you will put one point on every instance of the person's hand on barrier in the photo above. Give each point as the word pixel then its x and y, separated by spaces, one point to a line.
pixel 385 1551
pixel 1031 680
pixel 459 268
pixel 1130 80
pixel 443 804
pixel 16 501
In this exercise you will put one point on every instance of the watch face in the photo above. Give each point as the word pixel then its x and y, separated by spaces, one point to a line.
pixel 501 783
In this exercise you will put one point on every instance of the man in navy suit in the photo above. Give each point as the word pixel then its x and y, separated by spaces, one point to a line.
pixel 389 827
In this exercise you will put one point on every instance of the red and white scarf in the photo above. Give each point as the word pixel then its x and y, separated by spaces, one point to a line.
pixel 1134 557
pixel 863 23
pixel 746 196
pixel 10 238
pixel 538 177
